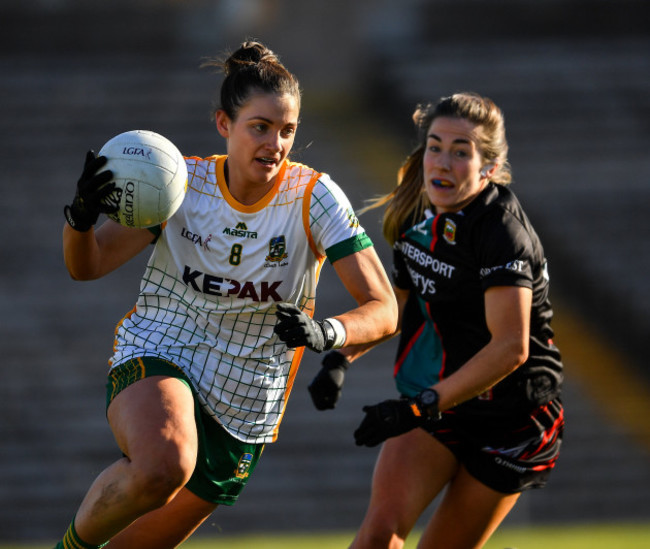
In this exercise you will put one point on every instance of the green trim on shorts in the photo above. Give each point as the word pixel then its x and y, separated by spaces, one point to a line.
pixel 127 373
pixel 224 464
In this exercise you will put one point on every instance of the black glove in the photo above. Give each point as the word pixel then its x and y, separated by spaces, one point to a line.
pixel 325 388
pixel 391 418
pixel 90 199
pixel 297 329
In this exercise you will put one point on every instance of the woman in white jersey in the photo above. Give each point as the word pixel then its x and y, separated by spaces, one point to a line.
pixel 204 363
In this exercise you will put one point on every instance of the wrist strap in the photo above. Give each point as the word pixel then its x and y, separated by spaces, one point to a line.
pixel 340 335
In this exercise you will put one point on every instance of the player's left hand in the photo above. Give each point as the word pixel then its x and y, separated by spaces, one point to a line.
pixel 389 418
pixel 325 388
pixel 298 329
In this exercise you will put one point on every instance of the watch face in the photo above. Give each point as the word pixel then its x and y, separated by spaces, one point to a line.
pixel 428 403
pixel 428 397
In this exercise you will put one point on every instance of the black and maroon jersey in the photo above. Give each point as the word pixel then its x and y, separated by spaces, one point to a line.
pixel 448 261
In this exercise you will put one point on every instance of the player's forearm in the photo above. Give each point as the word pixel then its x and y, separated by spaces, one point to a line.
pixel 497 360
pixel 80 253
pixel 354 352
pixel 370 323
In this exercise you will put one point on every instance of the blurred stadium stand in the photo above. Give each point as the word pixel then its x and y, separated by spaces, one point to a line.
pixel 573 78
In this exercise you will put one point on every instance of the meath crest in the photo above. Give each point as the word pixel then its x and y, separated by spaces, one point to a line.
pixel 277 249
pixel 244 465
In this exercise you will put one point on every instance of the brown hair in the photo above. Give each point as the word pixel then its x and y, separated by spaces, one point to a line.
pixel 409 199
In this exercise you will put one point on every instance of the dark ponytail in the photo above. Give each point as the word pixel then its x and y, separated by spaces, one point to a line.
pixel 253 67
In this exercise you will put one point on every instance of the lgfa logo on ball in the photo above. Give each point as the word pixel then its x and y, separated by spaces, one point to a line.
pixel 150 177
pixel 137 151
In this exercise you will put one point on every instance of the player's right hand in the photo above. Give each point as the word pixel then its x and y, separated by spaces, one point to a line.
pixel 297 329
pixel 325 388
pixel 92 190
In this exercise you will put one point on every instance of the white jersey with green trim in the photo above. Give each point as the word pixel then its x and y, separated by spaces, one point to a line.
pixel 207 298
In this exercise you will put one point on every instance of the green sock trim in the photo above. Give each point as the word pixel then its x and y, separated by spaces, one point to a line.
pixel 71 540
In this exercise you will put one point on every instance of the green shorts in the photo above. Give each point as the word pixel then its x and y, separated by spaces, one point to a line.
pixel 224 464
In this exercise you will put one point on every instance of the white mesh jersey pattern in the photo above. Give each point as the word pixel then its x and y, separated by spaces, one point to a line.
pixel 207 298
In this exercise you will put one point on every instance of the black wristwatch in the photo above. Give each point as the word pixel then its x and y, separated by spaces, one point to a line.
pixel 427 402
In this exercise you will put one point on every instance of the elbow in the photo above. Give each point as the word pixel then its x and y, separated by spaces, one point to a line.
pixel 72 272
pixel 517 354
pixel 79 278
pixel 392 326
pixel 384 321
pixel 80 274
pixel 392 318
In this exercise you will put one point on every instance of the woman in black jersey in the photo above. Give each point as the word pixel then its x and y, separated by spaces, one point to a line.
pixel 479 376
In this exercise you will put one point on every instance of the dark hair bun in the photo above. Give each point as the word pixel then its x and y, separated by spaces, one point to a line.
pixel 252 67
pixel 249 53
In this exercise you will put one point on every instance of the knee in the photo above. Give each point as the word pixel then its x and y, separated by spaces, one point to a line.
pixel 380 540
pixel 158 478
pixel 380 531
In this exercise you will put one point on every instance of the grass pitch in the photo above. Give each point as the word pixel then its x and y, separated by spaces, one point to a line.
pixel 587 536
pixel 614 536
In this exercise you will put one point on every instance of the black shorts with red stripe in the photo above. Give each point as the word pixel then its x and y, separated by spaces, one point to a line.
pixel 508 454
